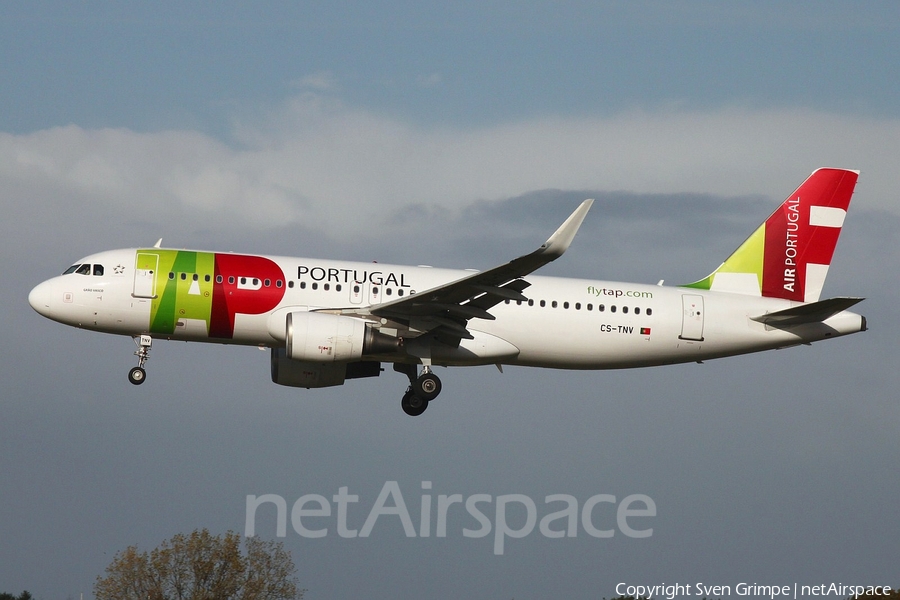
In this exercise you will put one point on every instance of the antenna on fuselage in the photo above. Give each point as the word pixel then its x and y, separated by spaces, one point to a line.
pixel 158 243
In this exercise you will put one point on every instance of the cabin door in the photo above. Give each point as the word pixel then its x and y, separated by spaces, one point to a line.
pixel 145 272
pixel 692 317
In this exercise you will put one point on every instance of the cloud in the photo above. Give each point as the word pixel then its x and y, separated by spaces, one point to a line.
pixel 319 82
pixel 316 162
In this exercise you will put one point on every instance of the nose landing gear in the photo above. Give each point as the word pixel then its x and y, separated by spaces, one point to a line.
pixel 137 375
pixel 422 389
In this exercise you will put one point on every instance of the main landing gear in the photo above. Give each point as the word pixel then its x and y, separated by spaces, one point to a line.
pixel 137 375
pixel 422 389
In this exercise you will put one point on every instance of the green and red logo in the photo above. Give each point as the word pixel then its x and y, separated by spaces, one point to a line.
pixel 190 289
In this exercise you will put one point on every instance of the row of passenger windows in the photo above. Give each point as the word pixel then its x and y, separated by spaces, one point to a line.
pixel 256 282
pixel 85 269
pixel 88 269
pixel 356 288
pixel 578 306
pixel 253 281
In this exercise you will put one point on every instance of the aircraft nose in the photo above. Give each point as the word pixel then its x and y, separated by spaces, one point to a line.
pixel 40 298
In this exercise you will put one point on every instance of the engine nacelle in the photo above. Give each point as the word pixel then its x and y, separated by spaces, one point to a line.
pixel 326 338
pixel 307 374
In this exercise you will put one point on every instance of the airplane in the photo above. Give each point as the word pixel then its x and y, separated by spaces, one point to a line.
pixel 327 321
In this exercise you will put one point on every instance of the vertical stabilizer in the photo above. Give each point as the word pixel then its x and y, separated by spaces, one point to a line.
pixel 789 254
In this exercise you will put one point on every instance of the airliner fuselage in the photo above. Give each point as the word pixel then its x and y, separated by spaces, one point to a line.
pixel 327 321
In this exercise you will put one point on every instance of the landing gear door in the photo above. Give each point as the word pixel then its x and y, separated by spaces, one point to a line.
pixel 692 319
pixel 146 266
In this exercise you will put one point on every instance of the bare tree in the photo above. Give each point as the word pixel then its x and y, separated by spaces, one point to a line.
pixel 201 566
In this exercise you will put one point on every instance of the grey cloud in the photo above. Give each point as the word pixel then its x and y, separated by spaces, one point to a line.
pixel 317 163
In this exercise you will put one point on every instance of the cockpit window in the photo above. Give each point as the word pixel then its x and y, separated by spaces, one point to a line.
pixel 84 269
pixel 98 269
pixel 71 269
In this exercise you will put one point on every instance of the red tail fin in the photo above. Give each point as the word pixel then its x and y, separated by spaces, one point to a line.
pixel 802 234
pixel 788 255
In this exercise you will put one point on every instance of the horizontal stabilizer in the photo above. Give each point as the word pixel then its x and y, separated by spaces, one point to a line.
pixel 814 312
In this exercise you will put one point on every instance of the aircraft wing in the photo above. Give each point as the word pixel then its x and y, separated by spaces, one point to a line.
pixel 446 309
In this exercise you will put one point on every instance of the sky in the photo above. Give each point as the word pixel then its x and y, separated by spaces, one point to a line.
pixel 456 135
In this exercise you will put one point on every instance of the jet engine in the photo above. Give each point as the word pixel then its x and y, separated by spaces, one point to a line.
pixel 326 338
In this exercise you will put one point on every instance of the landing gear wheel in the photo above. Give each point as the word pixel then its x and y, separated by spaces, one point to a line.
pixel 137 375
pixel 412 404
pixel 427 386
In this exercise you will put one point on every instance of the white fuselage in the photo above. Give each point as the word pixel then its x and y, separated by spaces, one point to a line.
pixel 565 323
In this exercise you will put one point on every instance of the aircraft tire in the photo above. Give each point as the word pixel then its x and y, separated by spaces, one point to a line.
pixel 412 404
pixel 427 386
pixel 137 375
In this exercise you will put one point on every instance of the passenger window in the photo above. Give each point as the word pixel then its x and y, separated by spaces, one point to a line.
pixel 625 309
pixel 279 284
pixel 171 275
pixel 315 286
pixel 388 291
pixel 219 279
pixel 553 304
pixel 184 276
pixel 98 269
pixel 267 282
pixel 590 307
pixel 543 304
pixel 578 306
pixel 649 311
pixel 84 270
pixel 601 307
pixel 399 292
pixel 206 278
pixel 231 279
pixel 196 277
pixel 565 305
pixel 637 310
pixel 302 285
pixel 531 303
pixel 612 308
